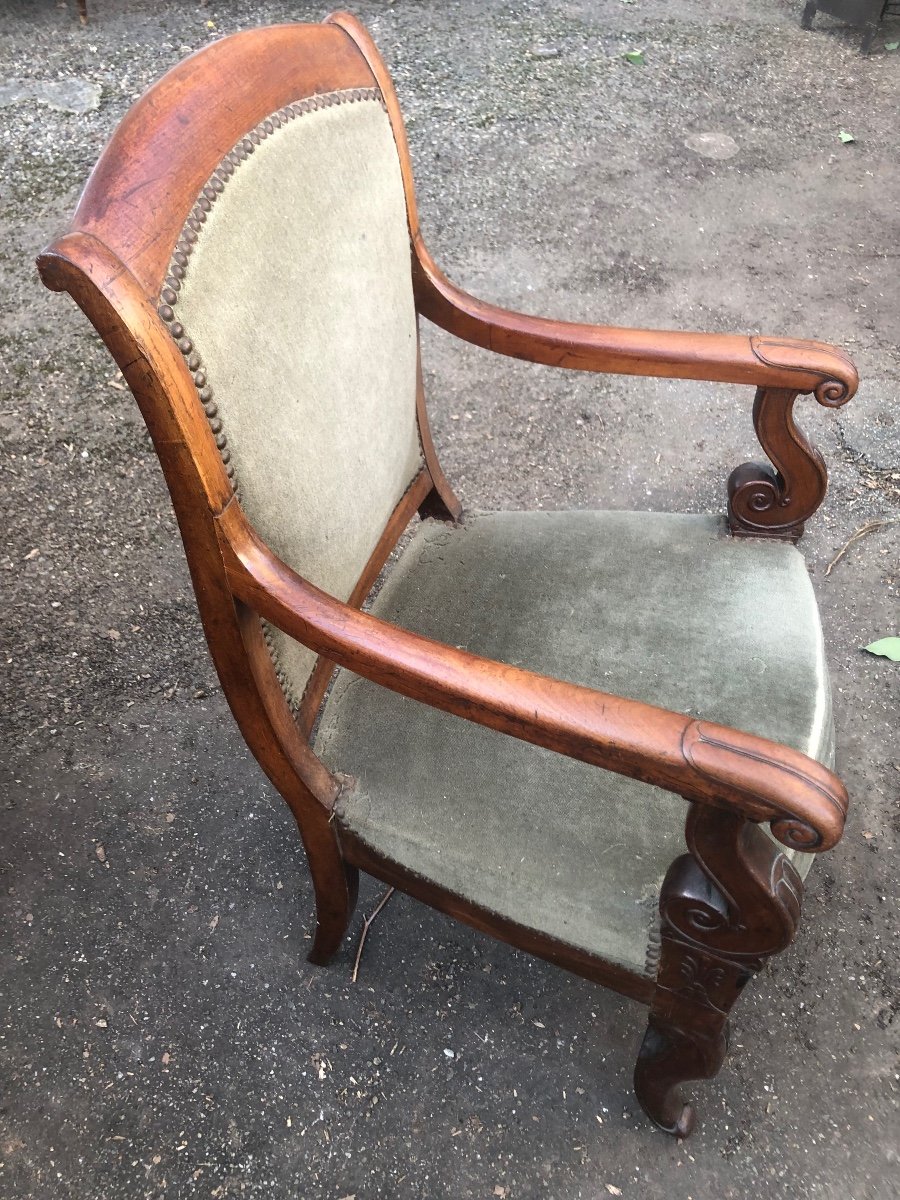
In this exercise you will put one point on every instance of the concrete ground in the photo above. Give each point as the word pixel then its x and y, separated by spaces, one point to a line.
pixel 163 1034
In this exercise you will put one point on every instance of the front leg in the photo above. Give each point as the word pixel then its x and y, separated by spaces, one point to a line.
pixel 695 990
pixel 715 937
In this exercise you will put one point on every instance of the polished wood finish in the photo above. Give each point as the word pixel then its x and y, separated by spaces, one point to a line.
pixel 726 907
pixel 127 320
pixel 766 501
pixel 760 780
pixel 717 357
pixel 169 143
pixel 733 899
pixel 762 502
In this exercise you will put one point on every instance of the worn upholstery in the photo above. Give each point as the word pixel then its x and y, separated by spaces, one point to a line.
pixel 662 608
pixel 297 298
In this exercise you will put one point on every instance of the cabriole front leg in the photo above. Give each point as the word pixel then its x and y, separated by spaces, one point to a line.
pixel 715 937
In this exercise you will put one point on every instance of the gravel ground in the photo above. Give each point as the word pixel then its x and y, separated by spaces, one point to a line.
pixel 162 1032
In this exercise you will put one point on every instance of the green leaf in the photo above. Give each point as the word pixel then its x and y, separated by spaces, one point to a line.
pixel 888 647
pixel 634 56
pixel 846 137
pixel 892 45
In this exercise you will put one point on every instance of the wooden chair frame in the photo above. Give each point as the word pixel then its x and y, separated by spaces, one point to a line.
pixel 732 899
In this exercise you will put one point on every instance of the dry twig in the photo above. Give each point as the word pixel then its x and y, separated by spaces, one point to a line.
pixel 862 532
pixel 365 929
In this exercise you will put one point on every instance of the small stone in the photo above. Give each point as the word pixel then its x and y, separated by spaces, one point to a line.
pixel 546 52
pixel 712 145
pixel 72 95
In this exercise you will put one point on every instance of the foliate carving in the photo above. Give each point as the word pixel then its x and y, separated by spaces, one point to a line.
pixel 702 979
pixel 725 908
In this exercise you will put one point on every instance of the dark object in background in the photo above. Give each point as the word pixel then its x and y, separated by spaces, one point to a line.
pixel 866 13
pixel 83 10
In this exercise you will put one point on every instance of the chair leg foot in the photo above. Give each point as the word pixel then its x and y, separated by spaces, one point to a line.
pixel 669 1057
pixel 714 938
pixel 332 922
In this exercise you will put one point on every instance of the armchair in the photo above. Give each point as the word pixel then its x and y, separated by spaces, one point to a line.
pixel 249 250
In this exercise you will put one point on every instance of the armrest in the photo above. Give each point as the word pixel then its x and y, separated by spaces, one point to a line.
pixel 797 366
pixel 699 760
pixel 763 501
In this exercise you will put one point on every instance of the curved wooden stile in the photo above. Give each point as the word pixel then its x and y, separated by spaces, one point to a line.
pixel 441 502
pixel 114 263
pixel 154 369
pixel 166 151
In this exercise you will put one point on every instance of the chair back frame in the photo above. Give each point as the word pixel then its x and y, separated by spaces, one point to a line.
pixel 114 262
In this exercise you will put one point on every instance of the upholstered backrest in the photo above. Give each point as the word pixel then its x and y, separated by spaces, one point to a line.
pixel 290 296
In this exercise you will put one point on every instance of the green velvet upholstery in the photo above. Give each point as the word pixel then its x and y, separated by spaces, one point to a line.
pixel 297 298
pixel 663 608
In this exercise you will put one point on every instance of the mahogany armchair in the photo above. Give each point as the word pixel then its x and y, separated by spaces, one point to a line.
pixel 249 250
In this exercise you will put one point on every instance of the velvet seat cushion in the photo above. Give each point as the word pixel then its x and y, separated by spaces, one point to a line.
pixel 663 608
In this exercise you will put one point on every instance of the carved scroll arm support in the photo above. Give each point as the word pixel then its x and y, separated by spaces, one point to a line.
pixel 764 501
pixel 775 501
